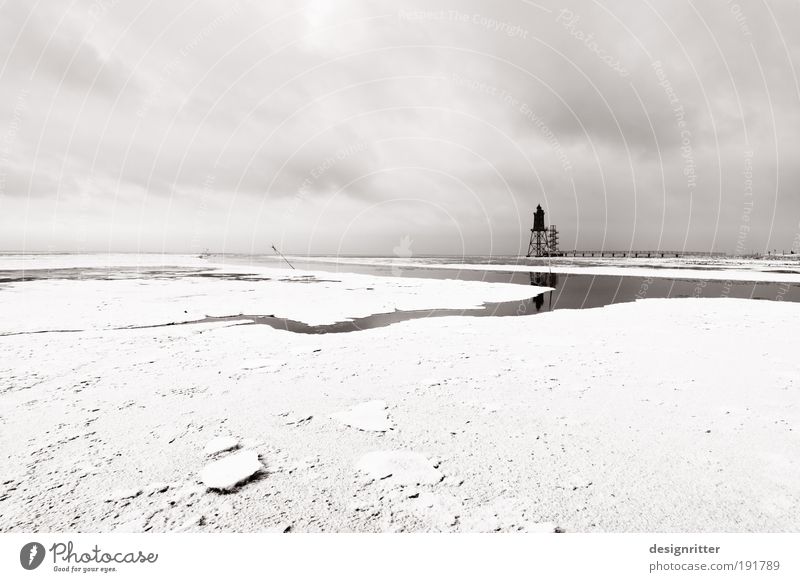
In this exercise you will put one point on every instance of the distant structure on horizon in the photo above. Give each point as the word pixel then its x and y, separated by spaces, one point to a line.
pixel 544 243
pixel 544 240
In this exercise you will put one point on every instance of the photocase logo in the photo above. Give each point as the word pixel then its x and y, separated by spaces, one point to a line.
pixel 31 555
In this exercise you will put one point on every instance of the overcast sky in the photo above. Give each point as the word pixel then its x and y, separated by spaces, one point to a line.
pixel 344 127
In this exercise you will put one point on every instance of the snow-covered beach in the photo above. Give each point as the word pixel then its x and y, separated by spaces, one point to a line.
pixel 654 415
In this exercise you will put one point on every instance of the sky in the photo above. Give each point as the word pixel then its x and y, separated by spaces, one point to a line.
pixel 398 128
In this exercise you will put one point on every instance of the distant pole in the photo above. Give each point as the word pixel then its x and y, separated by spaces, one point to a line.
pixel 281 256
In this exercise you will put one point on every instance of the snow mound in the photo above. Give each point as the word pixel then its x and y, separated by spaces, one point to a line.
pixel 368 416
pixel 402 467
pixel 230 471
pixel 220 444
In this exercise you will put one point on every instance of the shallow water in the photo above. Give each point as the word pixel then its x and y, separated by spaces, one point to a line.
pixel 570 291
pixel 578 291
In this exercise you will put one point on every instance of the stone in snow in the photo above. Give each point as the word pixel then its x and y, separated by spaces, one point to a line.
pixel 220 444
pixel 229 471
pixel 371 416
pixel 400 467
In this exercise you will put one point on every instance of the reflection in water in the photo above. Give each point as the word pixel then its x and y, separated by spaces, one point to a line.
pixel 572 291
pixel 544 280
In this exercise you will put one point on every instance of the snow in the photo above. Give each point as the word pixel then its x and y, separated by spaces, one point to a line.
pixel 400 467
pixel 230 471
pixel 266 364
pixel 35 262
pixel 220 444
pixel 645 416
pixel 775 271
pixel 367 416
pixel 544 527
pixel 122 494
pixel 296 418
pixel 91 304
pixel 631 270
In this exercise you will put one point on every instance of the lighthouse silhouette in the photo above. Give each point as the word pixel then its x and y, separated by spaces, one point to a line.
pixel 544 240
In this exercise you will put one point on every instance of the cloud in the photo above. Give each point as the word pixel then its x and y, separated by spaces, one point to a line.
pixel 633 123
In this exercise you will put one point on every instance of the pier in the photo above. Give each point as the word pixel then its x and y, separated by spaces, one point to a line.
pixel 637 254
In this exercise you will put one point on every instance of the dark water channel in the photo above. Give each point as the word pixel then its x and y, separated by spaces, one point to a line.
pixel 569 291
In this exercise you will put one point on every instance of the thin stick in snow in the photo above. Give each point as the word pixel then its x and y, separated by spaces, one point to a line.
pixel 284 258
